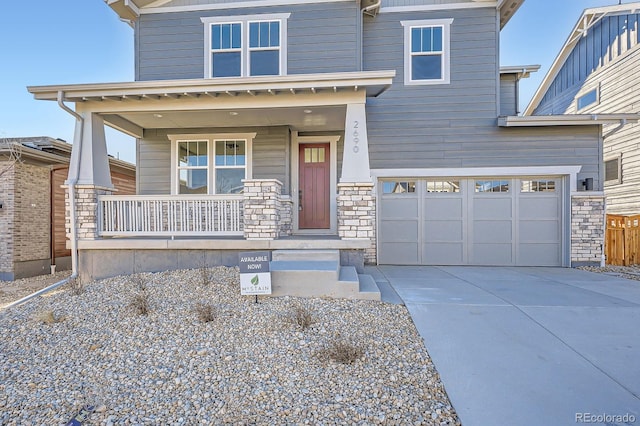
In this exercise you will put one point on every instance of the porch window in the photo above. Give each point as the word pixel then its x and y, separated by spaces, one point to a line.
pixel 426 56
pixel 193 174
pixel 210 164
pixel 244 46
pixel 230 167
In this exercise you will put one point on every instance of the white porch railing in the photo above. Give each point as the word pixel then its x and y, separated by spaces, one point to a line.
pixel 170 215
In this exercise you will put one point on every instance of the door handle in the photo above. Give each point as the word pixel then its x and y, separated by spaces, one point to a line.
pixel 300 199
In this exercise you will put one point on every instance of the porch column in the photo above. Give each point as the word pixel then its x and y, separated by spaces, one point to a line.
pixel 355 159
pixel 89 167
pixel 356 202
pixel 262 208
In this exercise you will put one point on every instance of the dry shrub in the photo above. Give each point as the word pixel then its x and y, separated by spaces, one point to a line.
pixel 206 312
pixel 205 276
pixel 49 317
pixel 140 301
pixel 76 286
pixel 301 316
pixel 341 350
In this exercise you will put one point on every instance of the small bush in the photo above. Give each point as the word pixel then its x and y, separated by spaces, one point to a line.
pixel 49 317
pixel 342 350
pixel 140 303
pixel 76 286
pixel 301 316
pixel 206 312
pixel 205 276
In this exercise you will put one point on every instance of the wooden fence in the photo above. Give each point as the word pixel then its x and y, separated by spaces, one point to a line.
pixel 622 241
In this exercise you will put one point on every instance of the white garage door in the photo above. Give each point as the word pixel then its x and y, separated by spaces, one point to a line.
pixel 482 221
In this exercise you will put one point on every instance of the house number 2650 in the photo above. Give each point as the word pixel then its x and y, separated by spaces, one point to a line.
pixel 356 140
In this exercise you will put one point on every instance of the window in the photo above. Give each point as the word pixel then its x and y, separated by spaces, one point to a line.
pixel 398 187
pixel 443 186
pixel 211 164
pixel 426 51
pixel 589 98
pixel 613 170
pixel 243 46
pixel 226 50
pixel 192 167
pixel 538 185
pixel 492 186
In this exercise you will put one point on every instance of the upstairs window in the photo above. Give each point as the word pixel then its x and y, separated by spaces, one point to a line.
pixel 587 99
pixel 226 50
pixel 426 51
pixel 245 46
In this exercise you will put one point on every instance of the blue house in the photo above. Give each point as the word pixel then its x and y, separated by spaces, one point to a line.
pixel 384 131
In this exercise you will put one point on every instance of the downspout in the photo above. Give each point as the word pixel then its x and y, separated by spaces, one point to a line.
pixel 365 10
pixel 72 205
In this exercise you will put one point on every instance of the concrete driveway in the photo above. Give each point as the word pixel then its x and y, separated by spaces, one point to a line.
pixel 528 346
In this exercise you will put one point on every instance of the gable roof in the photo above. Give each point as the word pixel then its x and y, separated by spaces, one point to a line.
pixel 587 20
pixel 130 10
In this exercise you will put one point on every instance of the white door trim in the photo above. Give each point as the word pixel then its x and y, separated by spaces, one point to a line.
pixel 333 180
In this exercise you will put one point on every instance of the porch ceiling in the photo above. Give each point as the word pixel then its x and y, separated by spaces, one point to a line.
pixel 298 118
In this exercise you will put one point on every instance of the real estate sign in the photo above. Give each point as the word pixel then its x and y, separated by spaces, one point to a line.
pixel 255 275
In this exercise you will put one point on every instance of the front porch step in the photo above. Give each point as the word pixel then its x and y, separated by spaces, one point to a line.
pixel 320 278
pixel 311 255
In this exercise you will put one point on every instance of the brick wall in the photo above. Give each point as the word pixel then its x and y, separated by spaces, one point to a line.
pixel 587 229
pixel 357 215
pixel 32 213
pixel 6 218
pixel 86 210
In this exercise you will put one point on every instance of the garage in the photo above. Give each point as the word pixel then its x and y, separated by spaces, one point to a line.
pixel 471 221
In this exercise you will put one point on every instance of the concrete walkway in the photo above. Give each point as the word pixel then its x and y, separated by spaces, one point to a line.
pixel 528 346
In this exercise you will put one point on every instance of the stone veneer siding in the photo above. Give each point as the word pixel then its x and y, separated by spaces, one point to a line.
pixel 357 215
pixel 262 208
pixel 286 216
pixel 7 199
pixel 587 229
pixel 86 210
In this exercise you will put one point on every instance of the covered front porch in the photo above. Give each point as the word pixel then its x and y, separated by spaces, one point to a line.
pixel 226 164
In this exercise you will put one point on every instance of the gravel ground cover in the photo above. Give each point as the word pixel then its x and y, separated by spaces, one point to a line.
pixel 13 290
pixel 250 364
pixel 628 272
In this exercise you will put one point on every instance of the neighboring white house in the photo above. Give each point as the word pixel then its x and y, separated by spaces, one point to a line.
pixel 598 72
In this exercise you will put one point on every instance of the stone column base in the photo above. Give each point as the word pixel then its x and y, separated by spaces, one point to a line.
pixel 357 215
pixel 587 230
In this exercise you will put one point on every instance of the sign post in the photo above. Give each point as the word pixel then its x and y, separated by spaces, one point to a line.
pixel 255 273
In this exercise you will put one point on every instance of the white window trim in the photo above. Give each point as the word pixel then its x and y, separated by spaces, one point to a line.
pixel 211 139
pixel 244 21
pixel 446 50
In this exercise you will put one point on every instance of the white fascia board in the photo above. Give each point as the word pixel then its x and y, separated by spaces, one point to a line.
pixel 232 5
pixel 583 24
pixel 523 71
pixel 436 7
pixel 75 92
pixel 566 120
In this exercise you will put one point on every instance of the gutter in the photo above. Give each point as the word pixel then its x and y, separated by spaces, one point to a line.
pixel 72 204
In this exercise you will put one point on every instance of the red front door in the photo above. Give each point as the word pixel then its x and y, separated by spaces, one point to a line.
pixel 313 197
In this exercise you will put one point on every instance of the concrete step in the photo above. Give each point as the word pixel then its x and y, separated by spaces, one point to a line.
pixel 303 278
pixel 368 289
pixel 309 255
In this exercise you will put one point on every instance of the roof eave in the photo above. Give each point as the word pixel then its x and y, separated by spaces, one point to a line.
pixel 508 8
pixel 374 82
pixel 566 120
